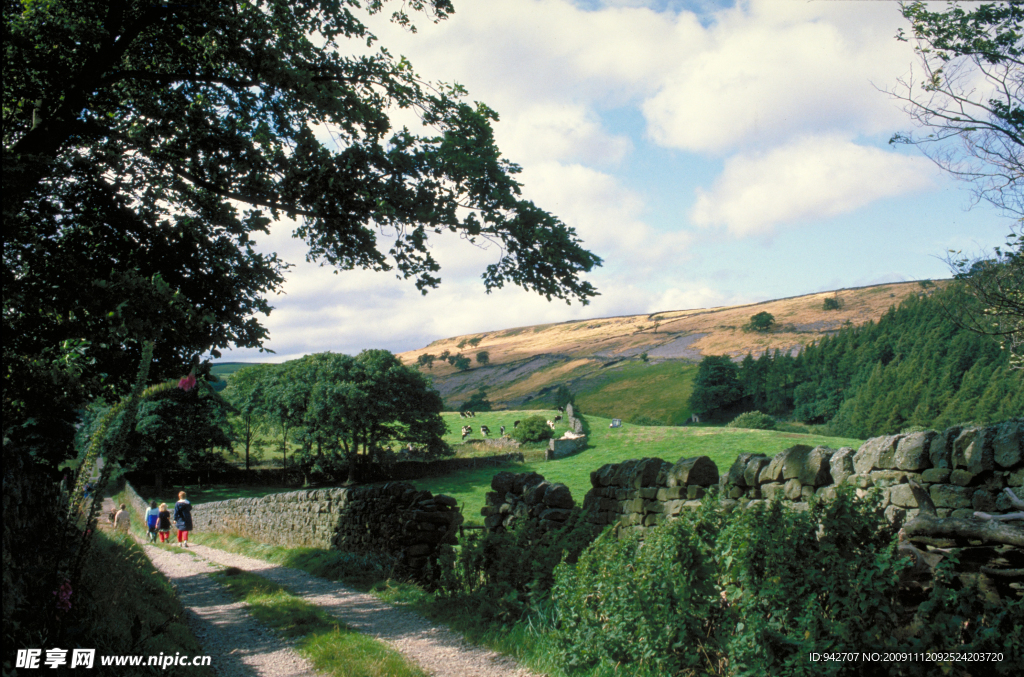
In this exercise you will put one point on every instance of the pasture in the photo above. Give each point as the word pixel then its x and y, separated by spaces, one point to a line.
pixel 610 445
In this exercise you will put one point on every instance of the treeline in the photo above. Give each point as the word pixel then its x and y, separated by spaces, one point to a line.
pixel 914 367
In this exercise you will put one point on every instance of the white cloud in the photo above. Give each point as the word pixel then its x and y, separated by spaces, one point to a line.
pixel 773 70
pixel 810 178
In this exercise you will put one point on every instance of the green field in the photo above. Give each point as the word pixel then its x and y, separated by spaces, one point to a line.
pixel 613 445
pixel 658 391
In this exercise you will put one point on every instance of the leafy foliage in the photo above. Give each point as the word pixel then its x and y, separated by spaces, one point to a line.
pixel 716 385
pixel 477 402
pixel 483 357
pixel 648 604
pixel 753 420
pixel 832 303
pixel 504 576
pixel 533 429
pixel 762 322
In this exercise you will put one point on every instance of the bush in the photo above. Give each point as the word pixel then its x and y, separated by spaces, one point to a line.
pixel 533 429
pixel 650 604
pixel 832 303
pixel 501 577
pixel 643 419
pixel 753 420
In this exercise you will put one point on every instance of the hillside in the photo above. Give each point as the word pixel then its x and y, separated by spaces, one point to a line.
pixel 601 358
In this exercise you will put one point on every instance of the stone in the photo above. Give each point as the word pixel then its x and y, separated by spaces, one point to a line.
pixel 772 490
pixel 754 493
pixel 558 496
pixel 602 477
pixel 645 473
pixel 735 476
pixel 895 514
pixel 535 494
pixel 1015 478
pixel 816 468
pixel 728 505
pixel 941 452
pixel 488 510
pixel 984 501
pixel 876 453
pixel 841 465
pixel 806 492
pixel 699 470
pixel 694 491
pixel 961 478
pixel 972 450
pixel 525 480
pixel 887 478
pixel 446 500
pixel 786 464
pixel 670 493
pixel 502 482
pixel 556 514
pixel 912 451
pixel 963 513
pixel 751 474
pixel 792 489
pixel 826 493
pixel 1008 444
pixel 935 475
pixel 1003 503
pixel 736 492
pixel 903 496
pixel 948 496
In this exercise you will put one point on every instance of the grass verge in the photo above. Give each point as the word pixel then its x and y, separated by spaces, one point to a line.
pixel 332 647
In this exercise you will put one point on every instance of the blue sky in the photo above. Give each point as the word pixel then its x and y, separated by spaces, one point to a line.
pixel 711 153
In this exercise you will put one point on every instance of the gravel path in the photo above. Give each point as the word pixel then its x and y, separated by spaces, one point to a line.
pixel 437 650
pixel 238 644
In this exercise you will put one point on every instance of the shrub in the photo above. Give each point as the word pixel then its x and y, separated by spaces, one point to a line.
pixel 650 604
pixel 533 429
pixel 501 577
pixel 753 420
pixel 832 303
pixel 643 419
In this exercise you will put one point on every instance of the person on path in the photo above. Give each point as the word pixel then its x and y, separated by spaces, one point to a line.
pixel 122 520
pixel 152 517
pixel 183 518
pixel 163 524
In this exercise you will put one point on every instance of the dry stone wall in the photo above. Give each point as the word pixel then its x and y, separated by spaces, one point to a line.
pixel 641 493
pixel 526 496
pixel 394 519
pixel 964 470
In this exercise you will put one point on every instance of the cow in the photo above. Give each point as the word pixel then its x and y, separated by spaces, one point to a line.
pixel 515 424
pixel 557 419
pixel 551 424
pixel 502 431
pixel 466 430
pixel 485 431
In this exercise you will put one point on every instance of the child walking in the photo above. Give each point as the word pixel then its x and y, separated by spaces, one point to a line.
pixel 183 518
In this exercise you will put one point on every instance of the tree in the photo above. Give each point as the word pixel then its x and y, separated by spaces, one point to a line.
pixel 460 362
pixel 998 283
pixel 361 404
pixel 564 396
pixel 247 392
pixel 477 402
pixel 716 385
pixel 146 143
pixel 483 357
pixel 762 322
pixel 426 360
pixel 970 99
pixel 832 303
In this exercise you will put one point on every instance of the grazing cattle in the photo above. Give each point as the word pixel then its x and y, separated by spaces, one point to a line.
pixel 502 431
pixel 466 430
pixel 561 410
pixel 557 419
pixel 485 431
pixel 515 424
pixel 462 414
pixel 551 424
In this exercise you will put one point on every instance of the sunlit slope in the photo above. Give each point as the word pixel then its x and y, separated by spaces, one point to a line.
pixel 593 357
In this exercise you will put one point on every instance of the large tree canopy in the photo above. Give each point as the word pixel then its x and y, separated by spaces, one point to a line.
pixel 145 143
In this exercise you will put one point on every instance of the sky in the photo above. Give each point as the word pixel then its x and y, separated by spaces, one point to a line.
pixel 712 153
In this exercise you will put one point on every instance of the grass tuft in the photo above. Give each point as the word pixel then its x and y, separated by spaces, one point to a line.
pixel 332 647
